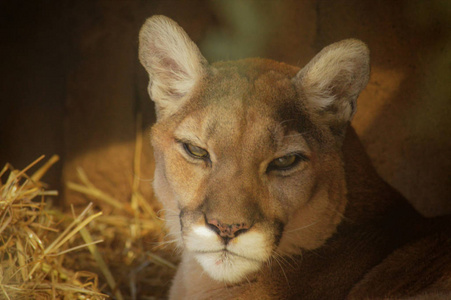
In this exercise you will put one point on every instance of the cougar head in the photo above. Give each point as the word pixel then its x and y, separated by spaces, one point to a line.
pixel 248 153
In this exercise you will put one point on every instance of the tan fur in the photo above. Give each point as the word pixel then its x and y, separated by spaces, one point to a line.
pixel 326 228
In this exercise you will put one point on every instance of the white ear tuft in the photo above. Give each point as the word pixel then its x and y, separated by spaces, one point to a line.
pixel 333 79
pixel 173 61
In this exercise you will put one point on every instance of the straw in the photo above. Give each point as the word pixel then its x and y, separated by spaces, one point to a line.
pixel 32 249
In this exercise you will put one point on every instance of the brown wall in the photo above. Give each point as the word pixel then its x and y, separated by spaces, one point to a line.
pixel 71 83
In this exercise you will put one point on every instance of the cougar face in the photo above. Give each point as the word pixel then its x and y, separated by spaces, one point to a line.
pixel 238 162
pixel 247 153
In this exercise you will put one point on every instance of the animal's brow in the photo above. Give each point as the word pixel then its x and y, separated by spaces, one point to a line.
pixel 284 139
pixel 188 137
pixel 277 132
pixel 189 131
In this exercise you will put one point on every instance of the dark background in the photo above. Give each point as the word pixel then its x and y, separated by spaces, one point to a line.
pixel 71 84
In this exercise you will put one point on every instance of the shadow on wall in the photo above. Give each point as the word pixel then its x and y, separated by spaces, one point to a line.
pixel 403 114
pixel 73 85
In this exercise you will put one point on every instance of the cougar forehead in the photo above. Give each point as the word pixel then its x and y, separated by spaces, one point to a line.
pixel 250 83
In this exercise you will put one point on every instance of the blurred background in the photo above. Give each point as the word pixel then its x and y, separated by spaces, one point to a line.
pixel 71 83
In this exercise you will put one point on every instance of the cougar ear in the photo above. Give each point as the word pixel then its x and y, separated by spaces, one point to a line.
pixel 173 61
pixel 332 81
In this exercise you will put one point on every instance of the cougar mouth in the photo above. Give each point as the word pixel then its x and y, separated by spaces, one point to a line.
pixel 225 253
pixel 227 266
pixel 232 262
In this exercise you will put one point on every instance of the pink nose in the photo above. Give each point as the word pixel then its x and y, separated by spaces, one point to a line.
pixel 228 231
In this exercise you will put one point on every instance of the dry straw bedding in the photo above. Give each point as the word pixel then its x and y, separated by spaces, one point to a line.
pixel 46 253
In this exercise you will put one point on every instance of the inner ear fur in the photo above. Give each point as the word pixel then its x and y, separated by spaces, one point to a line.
pixel 173 61
pixel 332 81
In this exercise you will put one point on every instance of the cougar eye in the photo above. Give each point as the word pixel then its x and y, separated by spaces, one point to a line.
pixel 195 151
pixel 285 162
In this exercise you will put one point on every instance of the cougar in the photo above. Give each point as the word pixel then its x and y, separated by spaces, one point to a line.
pixel 267 188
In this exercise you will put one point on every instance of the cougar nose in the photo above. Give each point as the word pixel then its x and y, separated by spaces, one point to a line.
pixel 227 231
